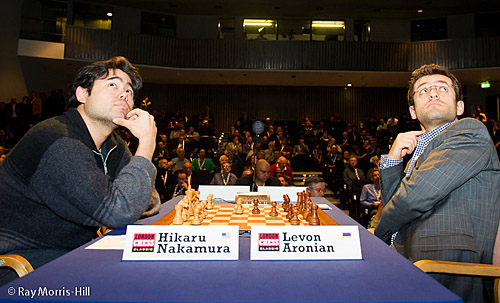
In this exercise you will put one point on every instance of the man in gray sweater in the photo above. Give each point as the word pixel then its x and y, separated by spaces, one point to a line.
pixel 71 174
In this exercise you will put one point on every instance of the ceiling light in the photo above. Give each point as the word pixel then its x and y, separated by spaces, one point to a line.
pixel 349 84
pixel 420 11
pixel 109 14
pixel 252 22
pixel 328 24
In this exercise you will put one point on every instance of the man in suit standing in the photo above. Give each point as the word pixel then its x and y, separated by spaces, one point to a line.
pixel 445 205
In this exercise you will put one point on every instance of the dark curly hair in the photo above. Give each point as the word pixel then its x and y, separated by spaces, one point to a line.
pixel 88 74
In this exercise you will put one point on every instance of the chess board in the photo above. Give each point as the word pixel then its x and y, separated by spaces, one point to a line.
pixel 223 214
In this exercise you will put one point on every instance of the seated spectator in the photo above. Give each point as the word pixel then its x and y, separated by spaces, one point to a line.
pixel 262 176
pixel 285 169
pixel 193 179
pixel 269 152
pixel 370 194
pixel 316 186
pixel 274 157
pixel 301 155
pixel 325 139
pixel 346 141
pixel 179 188
pixel 236 163
pixel 164 177
pixel 235 145
pixel 353 173
pixel 345 159
pixel 161 151
pixel 225 177
pixel 283 181
pixel 248 146
pixel 192 134
pixel 284 148
pixel 203 163
pixel 280 176
pixel 333 168
pixel 317 157
pixel 222 159
pixel 180 159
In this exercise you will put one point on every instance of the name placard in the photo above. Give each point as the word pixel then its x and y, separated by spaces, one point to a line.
pixel 164 242
pixel 305 243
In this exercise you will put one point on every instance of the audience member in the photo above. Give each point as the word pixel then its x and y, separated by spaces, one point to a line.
pixel 262 176
pixel 180 159
pixel 352 173
pixel 203 163
pixel 225 177
pixel 301 154
pixel 179 188
pixel 316 186
pixel 285 169
pixel 164 177
pixel 370 194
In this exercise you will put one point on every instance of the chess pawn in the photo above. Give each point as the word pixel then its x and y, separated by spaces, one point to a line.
pixel 239 207
pixel 178 220
pixel 295 217
pixel 314 220
pixel 255 209
pixel 196 219
pixel 274 211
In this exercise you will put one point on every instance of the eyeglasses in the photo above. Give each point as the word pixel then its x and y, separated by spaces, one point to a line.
pixel 319 190
pixel 440 88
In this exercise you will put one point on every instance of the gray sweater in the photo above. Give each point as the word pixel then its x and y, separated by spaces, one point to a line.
pixel 56 189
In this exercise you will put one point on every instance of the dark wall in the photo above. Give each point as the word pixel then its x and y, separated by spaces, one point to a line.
pixel 279 102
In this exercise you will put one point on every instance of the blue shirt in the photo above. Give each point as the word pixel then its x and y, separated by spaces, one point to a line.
pixel 369 195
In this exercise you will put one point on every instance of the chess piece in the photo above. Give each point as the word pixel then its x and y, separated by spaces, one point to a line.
pixel 204 212
pixel 178 220
pixel 274 211
pixel 295 217
pixel 305 212
pixel 255 209
pixel 314 220
pixel 307 195
pixel 239 207
pixel 309 208
pixel 210 204
pixel 289 214
pixel 196 219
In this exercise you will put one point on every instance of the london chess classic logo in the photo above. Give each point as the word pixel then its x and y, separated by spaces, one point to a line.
pixel 143 243
pixel 269 241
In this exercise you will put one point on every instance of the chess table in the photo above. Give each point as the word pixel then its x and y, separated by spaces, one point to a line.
pixel 391 277
pixel 224 214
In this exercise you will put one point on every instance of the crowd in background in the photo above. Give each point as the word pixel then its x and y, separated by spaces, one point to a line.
pixel 337 149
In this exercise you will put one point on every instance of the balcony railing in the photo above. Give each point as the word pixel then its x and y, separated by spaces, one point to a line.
pixel 95 44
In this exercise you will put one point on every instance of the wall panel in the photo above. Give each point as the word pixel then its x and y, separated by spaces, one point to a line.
pixel 279 102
